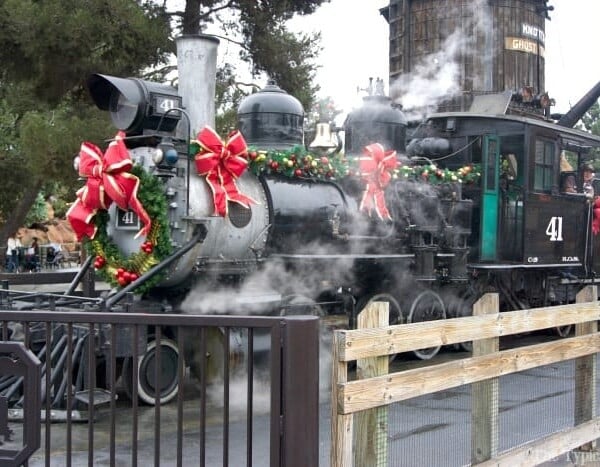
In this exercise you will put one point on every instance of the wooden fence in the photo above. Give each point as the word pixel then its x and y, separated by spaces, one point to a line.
pixel 361 405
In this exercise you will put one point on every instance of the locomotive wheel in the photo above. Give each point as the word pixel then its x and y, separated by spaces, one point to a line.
pixel 395 316
pixel 428 306
pixel 146 371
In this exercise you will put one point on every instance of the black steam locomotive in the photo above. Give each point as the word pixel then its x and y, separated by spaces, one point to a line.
pixel 425 219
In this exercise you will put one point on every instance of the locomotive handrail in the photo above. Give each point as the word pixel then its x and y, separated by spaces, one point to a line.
pixel 84 267
pixel 198 236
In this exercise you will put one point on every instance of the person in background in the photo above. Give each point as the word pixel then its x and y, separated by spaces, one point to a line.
pixel 588 179
pixel 569 184
pixel 12 252
pixel 54 255
pixel 31 257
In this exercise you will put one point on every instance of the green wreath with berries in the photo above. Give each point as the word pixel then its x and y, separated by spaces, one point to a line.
pixel 110 264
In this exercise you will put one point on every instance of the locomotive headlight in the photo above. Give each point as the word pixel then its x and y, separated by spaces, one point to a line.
pixel 136 106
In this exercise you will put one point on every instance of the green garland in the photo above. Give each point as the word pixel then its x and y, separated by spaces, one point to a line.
pixel 110 263
pixel 299 163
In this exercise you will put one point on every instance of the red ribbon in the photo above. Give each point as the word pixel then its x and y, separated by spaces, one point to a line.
pixel 596 217
pixel 108 180
pixel 222 164
pixel 375 167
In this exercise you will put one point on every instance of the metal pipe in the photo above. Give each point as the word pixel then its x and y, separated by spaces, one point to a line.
pixel 198 237
pixel 77 279
pixel 580 108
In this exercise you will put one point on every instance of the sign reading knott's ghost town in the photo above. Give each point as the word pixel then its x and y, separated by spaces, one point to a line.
pixel 532 40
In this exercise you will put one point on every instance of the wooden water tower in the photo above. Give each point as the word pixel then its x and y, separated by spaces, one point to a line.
pixel 501 43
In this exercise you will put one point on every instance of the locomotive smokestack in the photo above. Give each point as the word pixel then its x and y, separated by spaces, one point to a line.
pixel 578 110
pixel 197 64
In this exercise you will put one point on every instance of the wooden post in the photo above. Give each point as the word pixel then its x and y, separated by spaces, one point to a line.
pixel 372 425
pixel 585 369
pixel 484 397
pixel 342 426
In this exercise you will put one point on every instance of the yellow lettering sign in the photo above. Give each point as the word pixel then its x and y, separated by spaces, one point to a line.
pixel 523 45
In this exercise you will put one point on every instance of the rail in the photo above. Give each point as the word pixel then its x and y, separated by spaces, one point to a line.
pixel 360 406
pixel 76 351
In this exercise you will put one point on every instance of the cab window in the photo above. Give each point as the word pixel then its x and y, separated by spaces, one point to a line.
pixel 544 166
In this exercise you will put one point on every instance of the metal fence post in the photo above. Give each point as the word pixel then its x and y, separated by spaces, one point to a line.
pixel 300 392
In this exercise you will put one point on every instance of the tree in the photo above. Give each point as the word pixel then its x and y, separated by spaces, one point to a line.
pixel 591 123
pixel 46 57
pixel 264 41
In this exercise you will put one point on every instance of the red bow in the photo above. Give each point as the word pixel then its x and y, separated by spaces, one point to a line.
pixel 596 217
pixel 375 167
pixel 108 180
pixel 221 164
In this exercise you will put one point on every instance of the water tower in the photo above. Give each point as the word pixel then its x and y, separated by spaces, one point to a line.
pixel 499 43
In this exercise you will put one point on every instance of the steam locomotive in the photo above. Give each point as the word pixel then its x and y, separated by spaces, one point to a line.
pixel 426 219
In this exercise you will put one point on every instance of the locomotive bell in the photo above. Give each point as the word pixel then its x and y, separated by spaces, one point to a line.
pixel 323 139
pixel 271 119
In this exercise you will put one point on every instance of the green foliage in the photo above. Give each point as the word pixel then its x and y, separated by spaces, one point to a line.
pixel 324 110
pixel 55 45
pixel 259 28
pixel 38 212
pixel 48 49
pixel 591 123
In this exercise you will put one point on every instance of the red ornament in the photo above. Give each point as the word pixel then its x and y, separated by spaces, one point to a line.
pixel 274 165
pixel 324 160
pixel 298 172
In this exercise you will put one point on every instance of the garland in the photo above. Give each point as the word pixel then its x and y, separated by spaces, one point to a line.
pixel 110 264
pixel 298 163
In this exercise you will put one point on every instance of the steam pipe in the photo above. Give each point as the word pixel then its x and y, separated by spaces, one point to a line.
pixel 188 138
pixel 578 110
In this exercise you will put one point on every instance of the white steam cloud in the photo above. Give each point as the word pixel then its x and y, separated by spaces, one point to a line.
pixel 437 77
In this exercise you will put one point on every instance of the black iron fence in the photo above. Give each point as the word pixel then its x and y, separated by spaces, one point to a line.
pixel 163 389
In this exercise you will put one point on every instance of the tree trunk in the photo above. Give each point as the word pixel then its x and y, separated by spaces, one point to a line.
pixel 17 218
pixel 191 17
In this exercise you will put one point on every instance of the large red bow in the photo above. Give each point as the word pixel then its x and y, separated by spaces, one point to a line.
pixel 108 180
pixel 221 164
pixel 375 167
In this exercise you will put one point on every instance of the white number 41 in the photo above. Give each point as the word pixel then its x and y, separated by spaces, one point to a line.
pixel 554 229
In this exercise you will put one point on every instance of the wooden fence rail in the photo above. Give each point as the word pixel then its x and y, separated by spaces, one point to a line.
pixel 374 388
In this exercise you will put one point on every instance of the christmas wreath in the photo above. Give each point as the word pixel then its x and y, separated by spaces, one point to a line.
pixel 111 177
pixel 110 264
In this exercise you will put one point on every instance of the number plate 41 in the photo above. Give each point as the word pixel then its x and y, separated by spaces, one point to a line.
pixel 555 229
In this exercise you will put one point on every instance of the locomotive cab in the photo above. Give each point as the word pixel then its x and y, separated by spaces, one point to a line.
pixel 524 216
